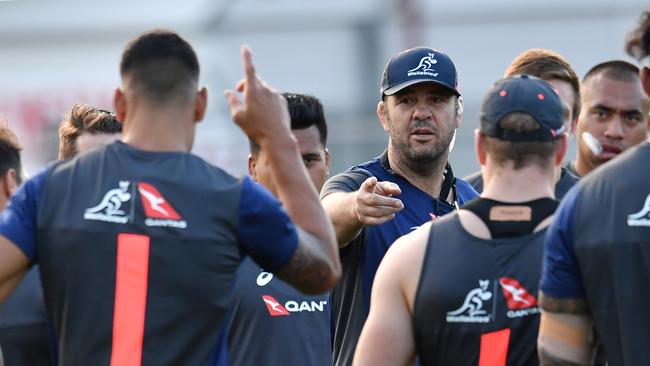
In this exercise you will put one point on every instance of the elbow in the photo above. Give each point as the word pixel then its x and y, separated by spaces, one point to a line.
pixel 328 278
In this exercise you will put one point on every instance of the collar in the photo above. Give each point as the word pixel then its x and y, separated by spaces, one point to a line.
pixel 448 180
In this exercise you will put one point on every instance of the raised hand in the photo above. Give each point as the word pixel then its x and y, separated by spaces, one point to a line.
pixel 263 114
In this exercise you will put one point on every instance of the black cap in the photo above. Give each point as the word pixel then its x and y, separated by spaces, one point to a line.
pixel 418 65
pixel 525 94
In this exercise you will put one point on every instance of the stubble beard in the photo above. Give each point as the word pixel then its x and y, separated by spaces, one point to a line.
pixel 420 160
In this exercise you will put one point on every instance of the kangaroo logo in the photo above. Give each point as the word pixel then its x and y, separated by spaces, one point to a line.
pixel 109 209
pixel 472 309
pixel 425 67
pixel 641 218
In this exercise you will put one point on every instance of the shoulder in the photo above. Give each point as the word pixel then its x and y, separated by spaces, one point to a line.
pixel 351 179
pixel 404 259
pixel 465 191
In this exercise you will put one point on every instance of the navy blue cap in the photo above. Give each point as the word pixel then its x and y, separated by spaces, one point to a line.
pixel 525 94
pixel 418 65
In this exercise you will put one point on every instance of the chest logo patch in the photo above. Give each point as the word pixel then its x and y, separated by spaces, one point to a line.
pixel 110 208
pixel 520 302
pixel 641 218
pixel 472 310
pixel 273 306
pixel 158 210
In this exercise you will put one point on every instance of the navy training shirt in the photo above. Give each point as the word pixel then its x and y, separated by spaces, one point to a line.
pixel 138 251
pixel 350 299
pixel 598 249
pixel 271 323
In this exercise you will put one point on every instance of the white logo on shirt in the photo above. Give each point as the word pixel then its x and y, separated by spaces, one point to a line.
pixel 472 309
pixel 641 218
pixel 109 209
pixel 264 278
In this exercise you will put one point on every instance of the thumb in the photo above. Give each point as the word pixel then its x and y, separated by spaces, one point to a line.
pixel 369 185
pixel 234 104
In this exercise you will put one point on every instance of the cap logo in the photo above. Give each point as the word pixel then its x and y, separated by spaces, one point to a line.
pixel 424 67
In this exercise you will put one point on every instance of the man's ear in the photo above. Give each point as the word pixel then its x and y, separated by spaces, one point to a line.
pixel 252 163
pixel 382 115
pixel 328 160
pixel 200 104
pixel 119 102
pixel 9 182
pixel 459 112
pixel 561 149
pixel 645 80
pixel 478 146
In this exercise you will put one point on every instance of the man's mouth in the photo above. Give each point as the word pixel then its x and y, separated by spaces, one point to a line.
pixel 610 151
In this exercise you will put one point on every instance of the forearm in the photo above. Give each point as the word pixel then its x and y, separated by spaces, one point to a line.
pixel 297 193
pixel 339 207
pixel 13 266
pixel 565 332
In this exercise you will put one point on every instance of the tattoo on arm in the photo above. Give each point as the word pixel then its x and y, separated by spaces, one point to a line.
pixel 308 269
pixel 570 306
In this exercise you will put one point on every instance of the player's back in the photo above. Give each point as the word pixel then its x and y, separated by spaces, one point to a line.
pixel 138 251
pixel 612 244
pixel 476 298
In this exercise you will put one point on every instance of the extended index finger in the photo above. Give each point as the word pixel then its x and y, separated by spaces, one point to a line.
pixel 249 69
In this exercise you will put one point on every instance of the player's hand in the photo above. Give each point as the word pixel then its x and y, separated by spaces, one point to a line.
pixel 374 205
pixel 263 114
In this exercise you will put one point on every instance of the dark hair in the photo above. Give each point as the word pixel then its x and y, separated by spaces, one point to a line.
pixel 522 153
pixel 9 152
pixel 305 111
pixel 160 65
pixel 547 65
pixel 638 41
pixel 84 119
pixel 614 69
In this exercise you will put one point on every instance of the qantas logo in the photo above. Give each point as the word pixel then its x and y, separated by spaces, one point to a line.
pixel 275 308
pixel 519 300
pixel 110 207
pixel 159 212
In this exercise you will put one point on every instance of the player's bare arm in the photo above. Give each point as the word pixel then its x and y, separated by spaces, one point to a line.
pixel 565 332
pixel 264 117
pixel 13 266
pixel 372 204
pixel 387 337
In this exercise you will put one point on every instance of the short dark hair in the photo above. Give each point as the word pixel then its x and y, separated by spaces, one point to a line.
pixel 84 118
pixel 638 41
pixel 546 65
pixel 615 69
pixel 160 65
pixel 521 153
pixel 305 111
pixel 9 152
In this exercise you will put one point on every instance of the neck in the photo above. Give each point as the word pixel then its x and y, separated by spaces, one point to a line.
pixel 508 185
pixel 427 177
pixel 582 167
pixel 167 128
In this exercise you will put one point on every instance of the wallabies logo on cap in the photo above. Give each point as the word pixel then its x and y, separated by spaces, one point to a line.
pixel 424 67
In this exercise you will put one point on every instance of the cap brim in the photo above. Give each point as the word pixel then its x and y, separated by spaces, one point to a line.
pixel 394 89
